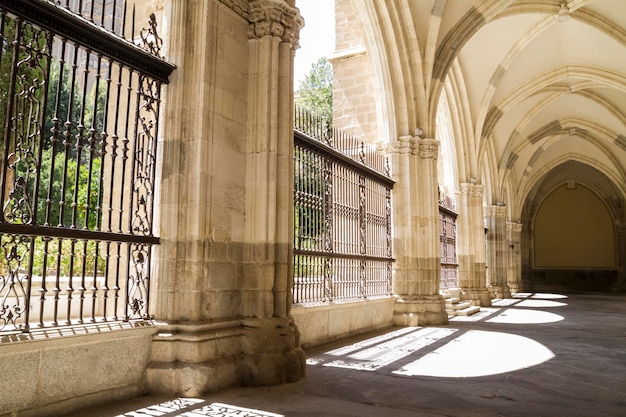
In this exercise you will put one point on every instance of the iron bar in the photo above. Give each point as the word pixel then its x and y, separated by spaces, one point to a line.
pixel 78 168
pixel 49 15
pixel 342 218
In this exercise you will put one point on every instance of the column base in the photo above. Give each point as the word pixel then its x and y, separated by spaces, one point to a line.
pixel 478 296
pixel 424 310
pixel 515 287
pixel 193 359
pixel 499 291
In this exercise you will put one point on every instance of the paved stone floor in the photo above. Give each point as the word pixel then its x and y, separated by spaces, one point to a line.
pixel 533 355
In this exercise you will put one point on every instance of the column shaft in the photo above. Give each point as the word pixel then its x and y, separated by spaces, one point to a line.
pixel 471 245
pixel 416 233
pixel 497 252
pixel 514 272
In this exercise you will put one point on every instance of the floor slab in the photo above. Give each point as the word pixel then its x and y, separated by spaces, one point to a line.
pixel 532 355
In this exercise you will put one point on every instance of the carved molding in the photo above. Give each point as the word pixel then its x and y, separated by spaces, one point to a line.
pixel 515 227
pixel 495 211
pixel 472 190
pixel 414 145
pixel 240 7
pixel 428 149
pixel 274 18
pixel 404 145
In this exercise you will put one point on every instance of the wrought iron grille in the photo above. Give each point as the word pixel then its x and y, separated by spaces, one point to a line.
pixel 342 216
pixel 79 107
pixel 447 238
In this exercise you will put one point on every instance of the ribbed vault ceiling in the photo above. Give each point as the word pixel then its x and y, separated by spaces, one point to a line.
pixel 539 83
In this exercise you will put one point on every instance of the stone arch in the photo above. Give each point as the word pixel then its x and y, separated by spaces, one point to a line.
pixel 570 173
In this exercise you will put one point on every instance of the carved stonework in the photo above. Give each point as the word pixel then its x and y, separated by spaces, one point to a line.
pixel 472 190
pixel 428 148
pixel 240 7
pixel 274 18
pixel 401 146
pixel 515 227
pixel 495 211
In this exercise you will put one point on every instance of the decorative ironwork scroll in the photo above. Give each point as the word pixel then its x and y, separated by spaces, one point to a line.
pixel 79 110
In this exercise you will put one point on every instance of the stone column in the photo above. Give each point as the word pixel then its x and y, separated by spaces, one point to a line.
pixel 416 233
pixel 497 252
pixel 224 263
pixel 470 242
pixel 514 271
pixel 526 256
pixel 271 348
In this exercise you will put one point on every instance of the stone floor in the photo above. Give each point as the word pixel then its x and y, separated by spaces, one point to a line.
pixel 533 355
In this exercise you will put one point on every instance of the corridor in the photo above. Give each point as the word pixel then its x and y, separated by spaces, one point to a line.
pixel 536 354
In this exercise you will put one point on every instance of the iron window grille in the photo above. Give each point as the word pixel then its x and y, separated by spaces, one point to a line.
pixel 342 215
pixel 80 93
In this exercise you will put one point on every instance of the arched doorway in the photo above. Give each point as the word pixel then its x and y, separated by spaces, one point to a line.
pixel 572 219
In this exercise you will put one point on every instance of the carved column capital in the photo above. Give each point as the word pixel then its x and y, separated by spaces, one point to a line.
pixel 428 149
pixel 274 18
pixel 495 211
pixel 472 190
pixel 515 227
pixel 402 146
pixel 414 145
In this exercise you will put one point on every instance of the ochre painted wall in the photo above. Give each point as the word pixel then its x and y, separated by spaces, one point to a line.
pixel 573 229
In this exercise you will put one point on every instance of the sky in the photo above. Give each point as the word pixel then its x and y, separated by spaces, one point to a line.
pixel 317 37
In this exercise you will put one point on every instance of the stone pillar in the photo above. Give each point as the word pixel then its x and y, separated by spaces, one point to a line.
pixel 514 271
pixel 526 256
pixel 497 252
pixel 224 263
pixel 416 233
pixel 271 347
pixel 470 242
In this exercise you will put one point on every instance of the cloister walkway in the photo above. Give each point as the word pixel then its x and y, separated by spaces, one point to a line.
pixel 532 355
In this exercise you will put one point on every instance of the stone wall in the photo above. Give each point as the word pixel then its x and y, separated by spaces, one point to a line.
pixel 604 280
pixel 354 92
pixel 328 323
pixel 53 372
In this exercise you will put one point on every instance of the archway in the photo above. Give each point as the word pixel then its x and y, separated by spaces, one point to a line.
pixel 572 218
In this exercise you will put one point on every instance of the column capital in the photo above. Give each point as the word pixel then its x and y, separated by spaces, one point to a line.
pixel 472 190
pixel 274 18
pixel 404 145
pixel 515 227
pixel 495 211
pixel 428 148
pixel 413 145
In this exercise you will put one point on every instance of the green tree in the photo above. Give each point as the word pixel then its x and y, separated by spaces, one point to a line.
pixel 315 92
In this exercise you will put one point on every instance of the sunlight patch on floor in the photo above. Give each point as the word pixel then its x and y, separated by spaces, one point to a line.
pixel 524 316
pixel 504 302
pixel 546 296
pixel 481 315
pixel 479 353
pixel 383 354
pixel 540 304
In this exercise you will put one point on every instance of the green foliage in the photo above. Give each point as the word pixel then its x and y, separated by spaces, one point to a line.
pixel 315 95
pixel 315 92
pixel 30 70
pixel 63 188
